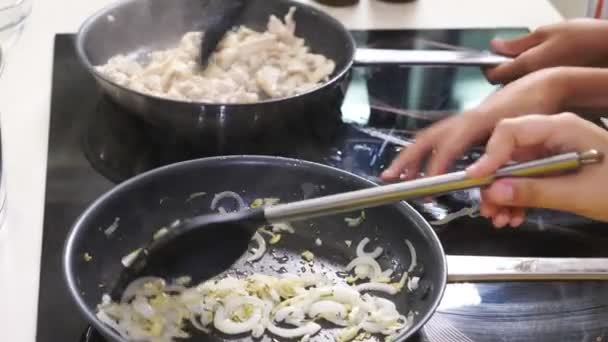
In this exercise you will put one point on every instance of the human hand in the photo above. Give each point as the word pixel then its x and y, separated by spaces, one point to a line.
pixel 535 136
pixel 539 92
pixel 578 42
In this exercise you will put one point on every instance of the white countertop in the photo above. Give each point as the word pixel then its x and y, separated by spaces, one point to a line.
pixel 25 90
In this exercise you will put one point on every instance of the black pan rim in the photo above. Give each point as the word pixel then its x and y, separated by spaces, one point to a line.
pixel 84 59
pixel 68 251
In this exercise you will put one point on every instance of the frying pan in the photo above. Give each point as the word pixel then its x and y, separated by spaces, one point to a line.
pixel 135 27
pixel 142 205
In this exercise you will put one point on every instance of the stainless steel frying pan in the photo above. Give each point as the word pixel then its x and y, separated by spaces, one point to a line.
pixel 135 27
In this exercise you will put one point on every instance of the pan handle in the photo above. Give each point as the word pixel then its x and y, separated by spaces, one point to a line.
pixel 488 269
pixel 364 57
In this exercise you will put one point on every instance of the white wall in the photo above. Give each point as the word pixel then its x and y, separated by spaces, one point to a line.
pixel 571 8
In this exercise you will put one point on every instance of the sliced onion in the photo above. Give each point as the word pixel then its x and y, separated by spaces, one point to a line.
pixel 128 259
pixel 309 328
pixel 258 331
pixel 206 317
pixel 195 195
pixel 104 318
pixel 412 256
pixel 385 306
pixel 372 327
pixel 142 307
pixel 329 310
pixel 355 221
pixel 282 227
pixel 345 294
pixel 361 250
pixel 412 284
pixel 112 228
pixel 199 326
pixel 228 194
pixel 289 311
pixel 224 324
pixel 379 287
pixel 375 269
pixel 384 277
pixel 235 302
pixel 362 271
pixel 260 250
pixel 137 286
pixel 348 334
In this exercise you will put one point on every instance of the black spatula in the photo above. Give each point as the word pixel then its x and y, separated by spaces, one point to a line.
pixel 217 29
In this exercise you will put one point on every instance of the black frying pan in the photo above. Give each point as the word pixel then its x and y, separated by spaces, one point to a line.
pixel 135 27
pixel 159 197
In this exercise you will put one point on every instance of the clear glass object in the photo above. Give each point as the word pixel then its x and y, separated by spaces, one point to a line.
pixel 13 14
pixel 2 178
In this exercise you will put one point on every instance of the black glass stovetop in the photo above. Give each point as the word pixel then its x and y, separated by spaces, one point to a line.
pixel 94 144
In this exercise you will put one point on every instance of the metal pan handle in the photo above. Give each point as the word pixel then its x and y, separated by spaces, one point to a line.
pixel 487 269
pixel 365 57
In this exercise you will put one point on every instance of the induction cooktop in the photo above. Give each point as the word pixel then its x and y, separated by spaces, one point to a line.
pixel 94 144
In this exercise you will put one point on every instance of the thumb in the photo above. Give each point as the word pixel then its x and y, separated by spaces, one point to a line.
pixel 515 47
pixel 547 193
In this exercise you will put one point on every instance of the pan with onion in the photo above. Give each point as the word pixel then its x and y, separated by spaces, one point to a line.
pixel 378 273
pixel 373 274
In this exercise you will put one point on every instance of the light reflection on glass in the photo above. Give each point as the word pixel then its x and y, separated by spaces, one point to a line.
pixel 459 295
pixel 356 107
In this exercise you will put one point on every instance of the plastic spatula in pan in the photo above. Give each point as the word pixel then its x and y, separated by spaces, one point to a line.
pixel 219 27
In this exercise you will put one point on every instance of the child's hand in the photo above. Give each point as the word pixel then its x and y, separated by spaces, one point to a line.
pixel 584 192
pixel 445 141
pixel 579 42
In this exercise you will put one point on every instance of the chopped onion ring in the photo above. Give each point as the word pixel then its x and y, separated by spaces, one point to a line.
pixel 228 194
pixel 375 269
pixel 361 249
pixel 309 328
pixel 228 326
pixel 260 250
pixel 412 256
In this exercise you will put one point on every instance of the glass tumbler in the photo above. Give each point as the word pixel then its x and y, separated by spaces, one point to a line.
pixel 13 14
pixel 2 181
